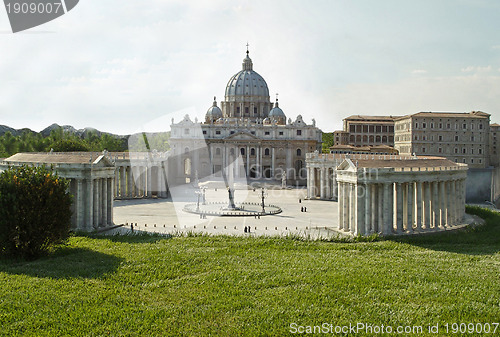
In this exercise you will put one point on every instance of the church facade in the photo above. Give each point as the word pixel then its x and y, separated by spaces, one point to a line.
pixel 247 133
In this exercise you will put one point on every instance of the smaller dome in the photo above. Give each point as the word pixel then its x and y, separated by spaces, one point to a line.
pixel 277 115
pixel 276 111
pixel 213 113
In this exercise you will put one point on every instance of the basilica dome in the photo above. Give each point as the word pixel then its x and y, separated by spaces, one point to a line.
pixel 213 113
pixel 276 114
pixel 247 82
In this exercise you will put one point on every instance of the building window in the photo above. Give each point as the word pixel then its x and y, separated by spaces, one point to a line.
pixel 423 138
pixel 472 126
pixel 464 150
pixel 464 126
pixel 440 125
pixel 456 138
pixel 252 132
pixel 299 132
pixel 237 111
pixel 456 150
pixel 416 125
pixel 440 150
pixel 440 138
pixel 266 152
pixel 252 152
pixel 481 126
pixel 217 132
pixel 448 126
pixel 242 151
pixel 186 131
pixel 432 125
pixel 247 110
pixel 352 128
pixel 255 111
pixel 232 132
pixel 266 133
pixel 471 151
pixel 423 150
pixel 471 138
pixel 299 152
pixel 186 150
pixel 424 125
pixel 204 132
pixel 281 134
pixel 480 151
pixel 480 161
pixel 472 161
pixel 217 151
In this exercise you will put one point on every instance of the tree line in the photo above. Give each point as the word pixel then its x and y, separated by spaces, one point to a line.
pixel 60 141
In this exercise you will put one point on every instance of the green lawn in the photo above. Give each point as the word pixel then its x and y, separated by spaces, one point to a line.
pixel 228 286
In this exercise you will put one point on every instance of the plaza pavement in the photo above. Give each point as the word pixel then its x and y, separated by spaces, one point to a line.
pixel 167 215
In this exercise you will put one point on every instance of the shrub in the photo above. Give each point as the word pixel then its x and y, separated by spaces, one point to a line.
pixel 34 211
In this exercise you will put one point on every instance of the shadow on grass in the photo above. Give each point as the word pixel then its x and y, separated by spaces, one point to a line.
pixel 64 263
pixel 474 240
pixel 126 236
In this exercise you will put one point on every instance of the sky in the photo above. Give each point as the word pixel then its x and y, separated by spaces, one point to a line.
pixel 124 66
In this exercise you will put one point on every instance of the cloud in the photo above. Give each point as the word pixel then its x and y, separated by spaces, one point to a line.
pixel 476 69
pixel 419 72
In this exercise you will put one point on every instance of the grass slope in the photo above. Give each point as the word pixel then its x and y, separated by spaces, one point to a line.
pixel 228 286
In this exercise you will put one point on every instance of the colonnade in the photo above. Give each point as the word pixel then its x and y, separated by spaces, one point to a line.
pixel 400 206
pixel 93 205
pixel 321 183
pixel 140 181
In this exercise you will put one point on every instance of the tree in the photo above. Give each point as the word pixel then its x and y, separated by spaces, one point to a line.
pixel 327 141
pixel 35 211
pixel 69 145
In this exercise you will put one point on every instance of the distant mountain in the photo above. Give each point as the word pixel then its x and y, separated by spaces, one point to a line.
pixel 66 128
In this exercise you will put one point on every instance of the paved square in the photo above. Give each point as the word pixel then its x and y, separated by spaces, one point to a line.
pixel 165 216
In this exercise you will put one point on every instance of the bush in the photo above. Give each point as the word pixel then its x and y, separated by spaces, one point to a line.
pixel 34 211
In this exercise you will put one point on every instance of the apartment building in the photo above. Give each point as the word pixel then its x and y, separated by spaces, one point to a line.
pixel 460 137
pixel 362 130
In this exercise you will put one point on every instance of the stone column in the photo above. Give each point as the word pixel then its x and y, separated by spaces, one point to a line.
pixel 110 202
pixel 374 207
pixel 312 187
pixel 400 208
pixel 388 205
pixel 130 181
pixel 89 203
pixel 149 181
pixel 104 201
pixel 117 181
pixel 346 196
pixel 409 227
pixel 340 207
pixel 418 215
pixel 359 226
pixel 322 183
pixel 328 194
pixel 79 206
pixel 96 203
pixel 435 204
pixel 427 206
pixel 380 202
pixel 454 207
pixel 442 205
pixel 122 182
pixel 368 211
pixel 352 208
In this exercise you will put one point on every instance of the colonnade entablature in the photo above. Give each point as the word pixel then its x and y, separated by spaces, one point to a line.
pixel 409 196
